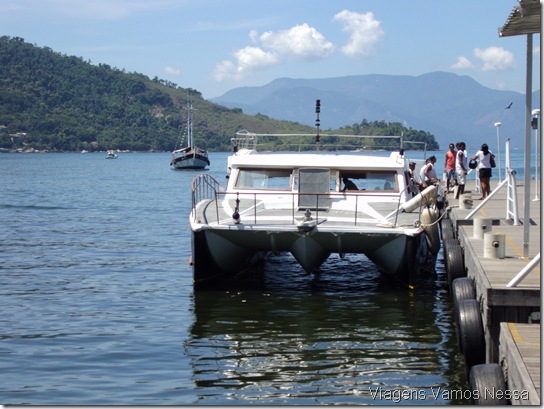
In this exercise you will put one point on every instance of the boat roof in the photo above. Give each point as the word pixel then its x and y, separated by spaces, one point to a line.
pixel 346 160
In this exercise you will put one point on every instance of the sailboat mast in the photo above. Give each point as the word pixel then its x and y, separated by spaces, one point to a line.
pixel 189 124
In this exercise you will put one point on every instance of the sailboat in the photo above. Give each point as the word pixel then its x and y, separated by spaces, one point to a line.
pixel 190 157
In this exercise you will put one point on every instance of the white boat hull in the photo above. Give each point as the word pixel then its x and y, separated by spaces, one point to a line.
pixel 189 159
pixel 190 163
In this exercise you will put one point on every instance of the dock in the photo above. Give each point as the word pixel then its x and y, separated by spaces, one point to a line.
pixel 519 346
pixel 510 315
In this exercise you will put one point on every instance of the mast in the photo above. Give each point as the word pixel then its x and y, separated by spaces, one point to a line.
pixel 189 124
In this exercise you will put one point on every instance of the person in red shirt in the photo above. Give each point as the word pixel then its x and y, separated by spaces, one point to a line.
pixel 449 165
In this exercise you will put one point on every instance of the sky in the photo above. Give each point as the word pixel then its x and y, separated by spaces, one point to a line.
pixel 216 45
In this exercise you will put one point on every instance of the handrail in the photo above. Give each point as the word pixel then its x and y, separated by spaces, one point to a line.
pixel 511 195
pixel 249 140
pixel 203 187
pixel 523 273
pixel 493 193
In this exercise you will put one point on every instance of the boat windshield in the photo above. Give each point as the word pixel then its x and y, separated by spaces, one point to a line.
pixel 376 180
pixel 264 179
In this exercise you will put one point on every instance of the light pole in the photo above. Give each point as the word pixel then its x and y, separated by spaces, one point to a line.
pixel 498 125
pixel 534 125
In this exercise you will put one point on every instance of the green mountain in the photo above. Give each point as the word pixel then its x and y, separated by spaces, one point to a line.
pixel 50 101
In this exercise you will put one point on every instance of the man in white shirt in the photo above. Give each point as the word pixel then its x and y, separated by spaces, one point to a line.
pixel 428 172
pixel 461 168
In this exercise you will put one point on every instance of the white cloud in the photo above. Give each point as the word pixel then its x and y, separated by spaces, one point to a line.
pixel 495 58
pixel 300 41
pixel 248 60
pixel 463 63
pixel 364 30
pixel 171 70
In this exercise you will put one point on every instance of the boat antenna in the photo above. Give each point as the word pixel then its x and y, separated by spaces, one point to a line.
pixel 317 121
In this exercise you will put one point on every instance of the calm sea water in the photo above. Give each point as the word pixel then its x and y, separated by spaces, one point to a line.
pixel 98 306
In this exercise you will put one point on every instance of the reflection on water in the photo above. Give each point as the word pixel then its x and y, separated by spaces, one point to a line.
pixel 336 338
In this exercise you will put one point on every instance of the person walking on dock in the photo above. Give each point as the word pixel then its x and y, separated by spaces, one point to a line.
pixel 449 166
pixel 484 156
pixel 461 168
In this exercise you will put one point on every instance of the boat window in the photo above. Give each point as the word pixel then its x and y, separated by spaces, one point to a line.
pixel 264 179
pixel 370 181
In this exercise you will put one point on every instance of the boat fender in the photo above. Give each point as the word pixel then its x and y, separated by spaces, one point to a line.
pixel 486 377
pixel 471 332
pixel 236 214
pixel 417 201
pixel 428 221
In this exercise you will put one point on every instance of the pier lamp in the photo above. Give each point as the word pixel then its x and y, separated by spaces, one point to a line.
pixel 498 125
pixel 534 125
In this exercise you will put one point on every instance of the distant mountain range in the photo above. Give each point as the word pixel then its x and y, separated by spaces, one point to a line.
pixel 451 107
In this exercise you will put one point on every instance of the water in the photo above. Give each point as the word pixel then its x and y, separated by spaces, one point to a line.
pixel 98 306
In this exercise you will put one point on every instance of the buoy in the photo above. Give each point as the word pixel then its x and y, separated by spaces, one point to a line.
pixel 494 245
pixel 481 225
pixel 428 218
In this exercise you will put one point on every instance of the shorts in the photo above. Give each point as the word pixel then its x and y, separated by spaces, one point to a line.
pixel 450 173
pixel 461 177
pixel 484 173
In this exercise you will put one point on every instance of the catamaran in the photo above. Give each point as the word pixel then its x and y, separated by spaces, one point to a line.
pixel 335 200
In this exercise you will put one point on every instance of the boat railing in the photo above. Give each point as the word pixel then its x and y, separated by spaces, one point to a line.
pixel 204 187
pixel 248 207
pixel 309 142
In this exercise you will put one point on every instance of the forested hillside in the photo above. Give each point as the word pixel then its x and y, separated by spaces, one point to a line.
pixel 50 101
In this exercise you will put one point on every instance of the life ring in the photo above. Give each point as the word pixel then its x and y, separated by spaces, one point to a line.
pixel 487 377
pixel 471 332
